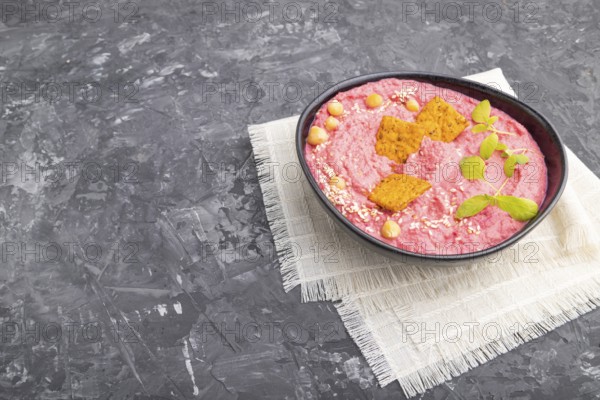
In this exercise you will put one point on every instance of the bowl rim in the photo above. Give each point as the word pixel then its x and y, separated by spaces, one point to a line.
pixel 311 109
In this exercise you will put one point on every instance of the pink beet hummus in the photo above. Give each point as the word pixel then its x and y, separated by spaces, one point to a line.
pixel 428 225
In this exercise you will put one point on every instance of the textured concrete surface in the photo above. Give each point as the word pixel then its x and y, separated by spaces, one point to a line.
pixel 136 257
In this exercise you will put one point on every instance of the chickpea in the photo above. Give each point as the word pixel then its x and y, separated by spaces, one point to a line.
pixel 331 123
pixel 317 136
pixel 338 182
pixel 374 100
pixel 335 108
pixel 412 105
pixel 390 229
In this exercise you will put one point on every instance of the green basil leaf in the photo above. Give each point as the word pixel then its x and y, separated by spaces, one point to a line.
pixel 479 128
pixel 501 146
pixel 509 166
pixel 488 145
pixel 472 167
pixel 473 206
pixel 521 159
pixel 481 112
pixel 518 208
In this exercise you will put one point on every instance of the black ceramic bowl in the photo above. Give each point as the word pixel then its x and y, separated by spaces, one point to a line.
pixel 539 127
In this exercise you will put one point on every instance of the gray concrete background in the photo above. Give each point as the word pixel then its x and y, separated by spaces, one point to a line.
pixel 132 220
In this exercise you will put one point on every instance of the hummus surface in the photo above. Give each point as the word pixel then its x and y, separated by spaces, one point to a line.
pixel 427 224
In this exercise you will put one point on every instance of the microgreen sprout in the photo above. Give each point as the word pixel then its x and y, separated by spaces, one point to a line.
pixel 485 122
pixel 473 168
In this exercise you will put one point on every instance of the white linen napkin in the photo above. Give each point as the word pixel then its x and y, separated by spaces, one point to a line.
pixel 422 324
